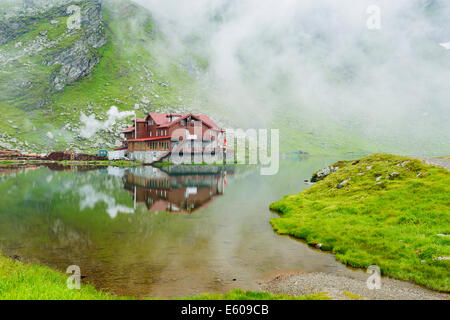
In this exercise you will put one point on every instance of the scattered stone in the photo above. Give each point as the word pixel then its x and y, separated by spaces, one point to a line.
pixel 393 175
pixel 16 257
pixel 378 179
pixel 312 283
pixel 318 246
pixel 441 258
pixel 404 163
pixel 322 174
pixel 343 183
pixel 443 235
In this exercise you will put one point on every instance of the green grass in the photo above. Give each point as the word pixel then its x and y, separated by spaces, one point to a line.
pixel 119 163
pixel 19 281
pixel 352 295
pixel 393 223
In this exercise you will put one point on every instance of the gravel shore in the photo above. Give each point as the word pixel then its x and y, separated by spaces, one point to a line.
pixel 347 288
pixel 442 162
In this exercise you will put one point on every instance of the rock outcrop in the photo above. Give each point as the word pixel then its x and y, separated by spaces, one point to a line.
pixel 70 49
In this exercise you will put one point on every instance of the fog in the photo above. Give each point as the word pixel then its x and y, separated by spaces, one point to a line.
pixel 320 61
pixel 90 125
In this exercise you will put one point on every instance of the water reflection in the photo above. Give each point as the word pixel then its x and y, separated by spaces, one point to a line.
pixel 114 224
pixel 160 191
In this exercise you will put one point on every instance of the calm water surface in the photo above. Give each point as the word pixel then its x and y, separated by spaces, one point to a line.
pixel 144 232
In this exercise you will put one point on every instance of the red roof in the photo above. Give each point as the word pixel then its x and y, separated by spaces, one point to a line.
pixel 201 117
pixel 169 124
pixel 207 120
pixel 129 129
pixel 159 118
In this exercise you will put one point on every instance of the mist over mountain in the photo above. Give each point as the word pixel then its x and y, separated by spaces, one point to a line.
pixel 317 61
pixel 314 69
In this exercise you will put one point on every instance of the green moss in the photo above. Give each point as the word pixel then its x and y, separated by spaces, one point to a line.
pixel 352 296
pixel 393 222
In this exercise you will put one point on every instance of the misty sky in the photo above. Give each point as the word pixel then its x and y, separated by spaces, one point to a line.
pixel 320 57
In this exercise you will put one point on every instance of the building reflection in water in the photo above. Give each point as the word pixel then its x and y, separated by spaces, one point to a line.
pixel 184 193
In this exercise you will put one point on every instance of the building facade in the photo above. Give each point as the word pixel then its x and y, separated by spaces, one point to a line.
pixel 159 135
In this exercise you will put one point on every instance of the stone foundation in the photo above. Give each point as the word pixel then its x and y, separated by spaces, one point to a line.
pixel 146 157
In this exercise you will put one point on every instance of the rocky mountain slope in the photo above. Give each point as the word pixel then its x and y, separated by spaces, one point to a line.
pixel 55 75
pixel 49 40
pixel 69 87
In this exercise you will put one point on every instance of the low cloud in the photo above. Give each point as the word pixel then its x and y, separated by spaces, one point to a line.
pixel 90 198
pixel 311 61
pixel 446 45
pixel 90 125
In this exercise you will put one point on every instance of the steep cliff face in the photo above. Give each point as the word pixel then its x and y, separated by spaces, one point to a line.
pixel 58 82
pixel 78 60
pixel 57 40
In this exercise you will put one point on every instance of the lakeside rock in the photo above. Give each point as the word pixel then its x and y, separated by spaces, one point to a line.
pixel 75 58
pixel 322 174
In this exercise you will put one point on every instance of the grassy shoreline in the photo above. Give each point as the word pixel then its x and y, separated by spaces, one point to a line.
pixel 19 281
pixel 383 210
pixel 102 163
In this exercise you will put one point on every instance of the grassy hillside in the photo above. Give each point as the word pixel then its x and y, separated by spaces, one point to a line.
pixel 139 69
pixel 135 72
pixel 383 210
